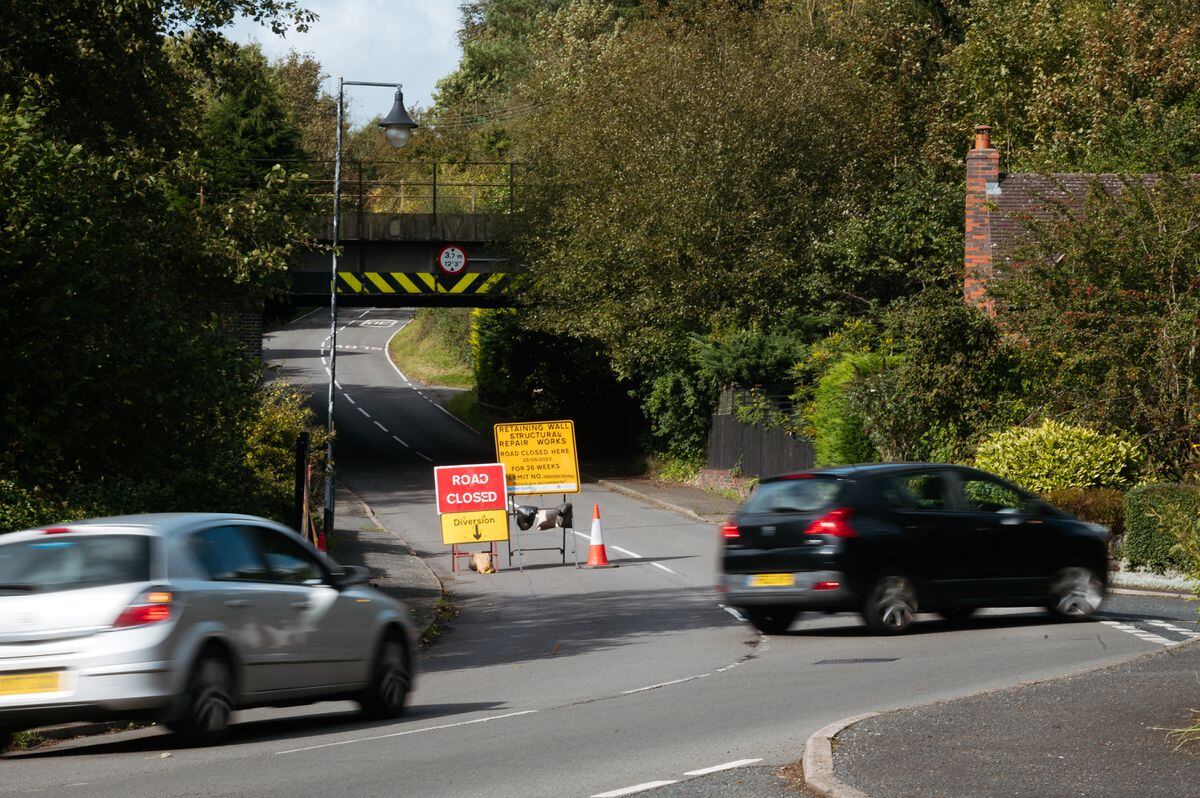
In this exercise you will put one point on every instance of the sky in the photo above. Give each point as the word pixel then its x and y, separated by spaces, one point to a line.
pixel 413 42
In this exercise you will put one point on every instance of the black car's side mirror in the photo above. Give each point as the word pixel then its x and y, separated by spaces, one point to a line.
pixel 351 575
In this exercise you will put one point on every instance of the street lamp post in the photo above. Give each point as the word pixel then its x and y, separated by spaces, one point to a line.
pixel 397 128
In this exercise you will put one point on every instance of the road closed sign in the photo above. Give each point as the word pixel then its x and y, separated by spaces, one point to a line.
pixel 538 456
pixel 470 488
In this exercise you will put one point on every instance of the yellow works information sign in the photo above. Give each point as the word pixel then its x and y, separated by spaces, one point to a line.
pixel 478 527
pixel 538 456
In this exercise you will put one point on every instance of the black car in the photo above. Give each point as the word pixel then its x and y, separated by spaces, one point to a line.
pixel 889 540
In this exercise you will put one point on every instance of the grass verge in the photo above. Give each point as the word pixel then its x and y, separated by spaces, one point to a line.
pixel 422 354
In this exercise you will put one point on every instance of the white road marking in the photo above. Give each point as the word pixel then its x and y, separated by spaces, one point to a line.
pixel 402 443
pixel 364 412
pixel 650 785
pixel 349 398
pixel 671 683
pixel 717 768
pixel 410 731
pixel 338 384
pixel 732 612
pixel 430 459
pixel 1191 633
pixel 1142 634
pixel 385 429
pixel 629 553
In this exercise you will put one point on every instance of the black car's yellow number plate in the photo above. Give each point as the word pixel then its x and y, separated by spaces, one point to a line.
pixel 26 683
pixel 772 580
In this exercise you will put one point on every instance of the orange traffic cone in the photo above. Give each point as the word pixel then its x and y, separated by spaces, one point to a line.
pixel 597 555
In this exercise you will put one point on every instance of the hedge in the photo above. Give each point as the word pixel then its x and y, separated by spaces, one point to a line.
pixel 1054 456
pixel 1148 536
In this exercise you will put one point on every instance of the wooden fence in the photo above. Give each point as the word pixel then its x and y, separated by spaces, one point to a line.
pixel 755 450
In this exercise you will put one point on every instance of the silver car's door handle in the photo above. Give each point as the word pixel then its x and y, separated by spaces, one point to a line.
pixel 237 603
pixel 301 605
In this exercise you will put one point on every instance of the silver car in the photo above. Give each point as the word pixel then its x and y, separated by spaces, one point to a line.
pixel 183 618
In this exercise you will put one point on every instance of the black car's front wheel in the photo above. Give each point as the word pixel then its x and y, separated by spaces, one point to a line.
pixel 891 604
pixel 1075 593
pixel 772 620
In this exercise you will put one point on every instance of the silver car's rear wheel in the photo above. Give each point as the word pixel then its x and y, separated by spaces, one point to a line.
pixel 6 738
pixel 1076 593
pixel 391 680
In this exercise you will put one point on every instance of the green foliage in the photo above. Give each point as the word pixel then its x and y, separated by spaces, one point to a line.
pixel 748 357
pixel 1109 303
pixel 1054 456
pixel 1098 505
pixel 534 376
pixel 1160 527
pixel 23 509
pixel 269 461
pixel 947 376
pixel 678 406
pixel 840 437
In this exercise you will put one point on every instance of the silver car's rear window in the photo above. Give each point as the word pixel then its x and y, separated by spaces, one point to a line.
pixel 71 562
pixel 792 495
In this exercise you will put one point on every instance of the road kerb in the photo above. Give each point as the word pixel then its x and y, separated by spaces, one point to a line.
pixel 818 761
pixel 637 494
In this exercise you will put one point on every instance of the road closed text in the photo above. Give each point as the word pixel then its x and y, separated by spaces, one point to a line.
pixel 470 488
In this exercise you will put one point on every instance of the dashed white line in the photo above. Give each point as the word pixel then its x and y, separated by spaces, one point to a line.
pixel 364 412
pixel 662 567
pixel 418 454
pixel 732 612
pixel 388 353
pixel 411 731
pixel 718 768
pixel 650 785
pixel 338 384
pixel 385 429
pixel 349 399
pixel 671 683
pixel 402 443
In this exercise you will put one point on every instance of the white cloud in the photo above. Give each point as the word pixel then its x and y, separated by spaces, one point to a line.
pixel 413 42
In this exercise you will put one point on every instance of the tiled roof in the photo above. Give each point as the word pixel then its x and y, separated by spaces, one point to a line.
pixel 1022 196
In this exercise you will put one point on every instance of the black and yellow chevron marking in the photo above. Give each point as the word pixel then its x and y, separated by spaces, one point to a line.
pixel 420 283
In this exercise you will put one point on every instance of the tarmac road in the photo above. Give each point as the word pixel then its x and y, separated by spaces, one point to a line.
pixel 557 681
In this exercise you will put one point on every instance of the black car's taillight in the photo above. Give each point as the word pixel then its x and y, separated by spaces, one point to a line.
pixel 835 523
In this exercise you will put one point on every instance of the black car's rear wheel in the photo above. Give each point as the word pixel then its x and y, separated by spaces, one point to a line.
pixel 1075 593
pixel 772 620
pixel 891 604
pixel 207 708
pixel 391 680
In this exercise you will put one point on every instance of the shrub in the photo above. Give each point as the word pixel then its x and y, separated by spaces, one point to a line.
pixel 839 435
pixel 1099 505
pixel 1054 456
pixel 1156 518
pixel 24 509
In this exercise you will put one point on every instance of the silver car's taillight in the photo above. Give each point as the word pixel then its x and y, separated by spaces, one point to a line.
pixel 152 606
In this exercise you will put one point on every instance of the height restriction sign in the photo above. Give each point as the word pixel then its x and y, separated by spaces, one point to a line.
pixel 538 457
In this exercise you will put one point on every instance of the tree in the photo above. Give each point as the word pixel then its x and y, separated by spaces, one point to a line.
pixel 1107 299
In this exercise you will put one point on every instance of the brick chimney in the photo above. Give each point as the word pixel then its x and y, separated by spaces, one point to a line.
pixel 983 180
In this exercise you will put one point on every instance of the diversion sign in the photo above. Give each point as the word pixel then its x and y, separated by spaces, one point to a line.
pixel 538 457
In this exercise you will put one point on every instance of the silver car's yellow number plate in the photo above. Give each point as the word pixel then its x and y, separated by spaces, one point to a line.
pixel 26 683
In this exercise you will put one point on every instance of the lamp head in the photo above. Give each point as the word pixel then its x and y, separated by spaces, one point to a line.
pixel 398 125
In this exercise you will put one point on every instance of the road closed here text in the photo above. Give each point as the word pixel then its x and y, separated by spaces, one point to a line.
pixel 538 457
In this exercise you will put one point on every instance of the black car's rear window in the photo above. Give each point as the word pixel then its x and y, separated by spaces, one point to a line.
pixel 70 562
pixel 793 495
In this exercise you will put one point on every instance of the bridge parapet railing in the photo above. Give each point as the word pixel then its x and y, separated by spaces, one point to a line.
pixel 395 187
